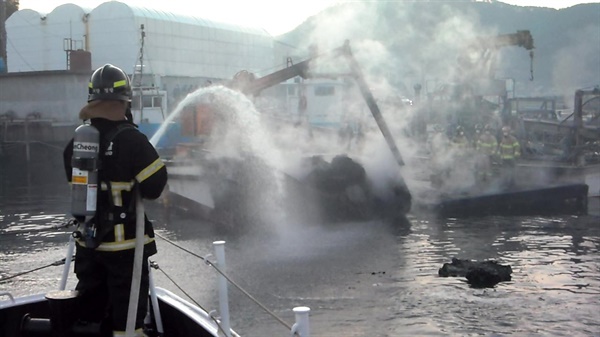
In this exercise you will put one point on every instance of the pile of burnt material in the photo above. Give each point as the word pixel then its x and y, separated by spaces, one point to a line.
pixel 485 274
pixel 346 193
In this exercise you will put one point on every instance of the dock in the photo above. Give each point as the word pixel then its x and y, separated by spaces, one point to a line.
pixel 33 130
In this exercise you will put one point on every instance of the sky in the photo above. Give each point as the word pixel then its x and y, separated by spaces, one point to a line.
pixel 275 16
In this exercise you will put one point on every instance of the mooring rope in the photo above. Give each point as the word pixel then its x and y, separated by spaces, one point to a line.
pixel 64 224
pixel 154 265
pixel 52 146
pixel 288 326
pixel 55 263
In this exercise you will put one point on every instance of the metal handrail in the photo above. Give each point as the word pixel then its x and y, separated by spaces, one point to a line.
pixel 7 294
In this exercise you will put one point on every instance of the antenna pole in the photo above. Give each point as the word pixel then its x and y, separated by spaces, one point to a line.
pixel 138 73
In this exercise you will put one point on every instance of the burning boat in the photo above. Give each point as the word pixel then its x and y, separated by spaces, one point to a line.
pixel 236 167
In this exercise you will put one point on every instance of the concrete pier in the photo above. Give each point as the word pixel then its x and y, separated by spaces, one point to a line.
pixel 27 131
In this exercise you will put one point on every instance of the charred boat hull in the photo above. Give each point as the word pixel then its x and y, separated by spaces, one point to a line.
pixel 563 199
pixel 235 192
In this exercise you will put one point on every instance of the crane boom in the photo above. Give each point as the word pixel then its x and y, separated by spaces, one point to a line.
pixel 479 55
pixel 249 85
pixel 522 38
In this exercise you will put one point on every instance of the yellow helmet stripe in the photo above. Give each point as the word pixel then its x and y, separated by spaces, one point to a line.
pixel 90 85
pixel 121 83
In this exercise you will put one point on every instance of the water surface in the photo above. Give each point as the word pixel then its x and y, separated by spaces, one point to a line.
pixel 359 279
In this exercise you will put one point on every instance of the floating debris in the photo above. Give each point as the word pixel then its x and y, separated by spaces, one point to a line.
pixel 484 274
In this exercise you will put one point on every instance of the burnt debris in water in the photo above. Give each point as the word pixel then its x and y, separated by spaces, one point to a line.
pixel 482 274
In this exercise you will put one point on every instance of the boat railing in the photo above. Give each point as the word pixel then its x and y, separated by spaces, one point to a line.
pixel 301 325
pixel 7 294
pixel 299 328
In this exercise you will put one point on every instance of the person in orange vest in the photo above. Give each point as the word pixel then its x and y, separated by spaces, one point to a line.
pixel 478 132
pixel 439 148
pixel 462 162
pixel 509 150
pixel 487 147
pixel 460 141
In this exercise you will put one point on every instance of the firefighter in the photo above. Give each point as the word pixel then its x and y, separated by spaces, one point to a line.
pixel 439 147
pixel 509 150
pixel 460 141
pixel 476 135
pixel 463 160
pixel 128 161
pixel 487 148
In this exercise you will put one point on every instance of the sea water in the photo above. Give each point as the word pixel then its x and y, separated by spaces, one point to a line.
pixel 358 278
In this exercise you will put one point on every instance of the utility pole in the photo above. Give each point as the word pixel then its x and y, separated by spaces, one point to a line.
pixel 3 31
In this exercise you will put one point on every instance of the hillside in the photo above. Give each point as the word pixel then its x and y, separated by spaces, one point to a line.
pixel 417 42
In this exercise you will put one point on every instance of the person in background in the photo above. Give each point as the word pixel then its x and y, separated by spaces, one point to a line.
pixel 460 140
pixel 104 261
pixel 509 151
pixel 462 173
pixel 487 147
pixel 438 149
pixel 476 135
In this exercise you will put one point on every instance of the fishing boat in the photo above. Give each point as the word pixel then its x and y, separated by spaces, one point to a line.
pixel 225 181
pixel 565 146
pixel 558 171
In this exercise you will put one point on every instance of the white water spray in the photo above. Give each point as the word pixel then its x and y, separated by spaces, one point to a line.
pixel 236 135
pixel 239 130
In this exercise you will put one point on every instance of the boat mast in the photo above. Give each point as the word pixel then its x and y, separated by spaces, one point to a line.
pixel 138 72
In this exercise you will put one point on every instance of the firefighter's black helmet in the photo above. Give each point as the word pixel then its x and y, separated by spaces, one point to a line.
pixel 109 83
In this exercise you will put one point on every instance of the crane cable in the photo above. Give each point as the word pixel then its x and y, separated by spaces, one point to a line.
pixel 531 64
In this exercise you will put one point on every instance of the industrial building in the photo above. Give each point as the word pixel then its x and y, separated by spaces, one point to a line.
pixel 50 56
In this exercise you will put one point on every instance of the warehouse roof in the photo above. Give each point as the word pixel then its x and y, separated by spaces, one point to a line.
pixel 175 44
pixel 153 13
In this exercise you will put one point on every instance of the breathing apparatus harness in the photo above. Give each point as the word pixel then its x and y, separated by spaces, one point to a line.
pixel 87 181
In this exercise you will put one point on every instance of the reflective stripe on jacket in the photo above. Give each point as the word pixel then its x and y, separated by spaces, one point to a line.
pixel 510 148
pixel 487 145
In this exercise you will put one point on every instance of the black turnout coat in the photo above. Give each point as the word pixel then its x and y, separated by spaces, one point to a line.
pixel 129 160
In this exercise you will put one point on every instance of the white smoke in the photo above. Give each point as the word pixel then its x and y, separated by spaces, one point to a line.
pixel 569 76
pixel 414 51
pixel 417 50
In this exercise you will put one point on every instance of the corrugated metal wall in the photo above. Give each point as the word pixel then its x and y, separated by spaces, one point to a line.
pixel 26 93
pixel 175 45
